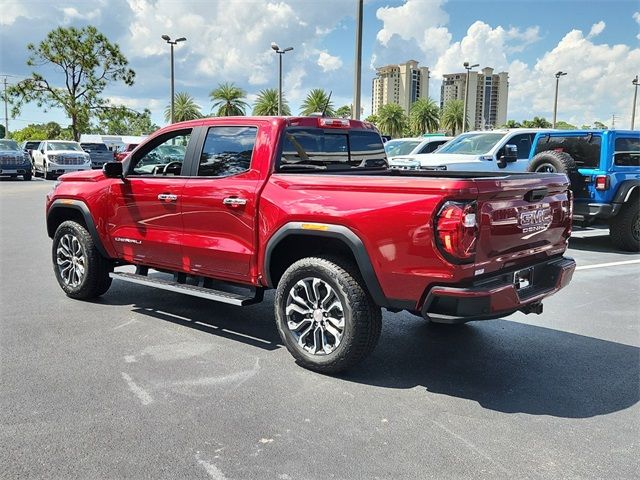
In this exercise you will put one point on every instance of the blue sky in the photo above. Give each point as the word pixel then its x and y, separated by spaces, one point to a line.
pixel 597 42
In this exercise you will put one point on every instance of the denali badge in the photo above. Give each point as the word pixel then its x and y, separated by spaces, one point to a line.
pixel 127 240
pixel 535 220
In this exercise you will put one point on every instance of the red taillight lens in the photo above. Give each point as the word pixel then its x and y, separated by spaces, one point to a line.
pixel 457 229
pixel 602 182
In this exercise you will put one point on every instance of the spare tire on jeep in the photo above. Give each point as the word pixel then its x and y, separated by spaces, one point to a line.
pixel 551 161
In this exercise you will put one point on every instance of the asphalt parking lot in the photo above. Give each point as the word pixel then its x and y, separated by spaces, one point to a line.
pixel 148 384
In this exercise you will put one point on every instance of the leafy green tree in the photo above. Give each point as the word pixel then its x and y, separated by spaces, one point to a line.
pixel 537 122
pixel 317 101
pixel 585 127
pixel 185 108
pixel 424 116
pixel 511 124
pixel 373 118
pixel 42 131
pixel 392 120
pixel 600 126
pixel 561 125
pixel 344 111
pixel 87 61
pixel 267 103
pixel 452 117
pixel 124 121
pixel 228 99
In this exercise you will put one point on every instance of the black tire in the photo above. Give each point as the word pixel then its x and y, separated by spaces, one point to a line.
pixel 36 172
pixel 551 161
pixel 95 280
pixel 361 316
pixel 48 176
pixel 27 176
pixel 624 228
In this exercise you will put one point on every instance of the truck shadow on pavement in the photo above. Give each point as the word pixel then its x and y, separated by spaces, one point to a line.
pixel 600 243
pixel 507 366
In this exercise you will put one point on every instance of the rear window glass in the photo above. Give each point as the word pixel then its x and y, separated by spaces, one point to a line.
pixel 627 152
pixel 317 149
pixel 585 150
pixel 95 146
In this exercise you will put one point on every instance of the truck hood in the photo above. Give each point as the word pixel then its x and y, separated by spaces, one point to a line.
pixel 66 152
pixel 83 176
pixel 435 159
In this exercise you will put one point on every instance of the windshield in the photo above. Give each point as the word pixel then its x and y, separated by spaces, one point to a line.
pixel 95 146
pixel 31 145
pixel 400 147
pixel 8 145
pixel 317 149
pixel 472 143
pixel 63 146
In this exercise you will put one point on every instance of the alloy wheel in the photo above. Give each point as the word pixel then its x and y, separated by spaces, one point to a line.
pixel 546 168
pixel 315 316
pixel 71 260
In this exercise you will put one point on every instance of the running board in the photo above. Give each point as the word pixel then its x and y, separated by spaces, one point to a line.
pixel 195 291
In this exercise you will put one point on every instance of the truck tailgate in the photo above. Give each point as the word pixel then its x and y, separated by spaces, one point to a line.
pixel 526 216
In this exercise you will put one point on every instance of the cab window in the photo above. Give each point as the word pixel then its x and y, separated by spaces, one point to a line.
pixel 627 152
pixel 227 151
pixel 163 156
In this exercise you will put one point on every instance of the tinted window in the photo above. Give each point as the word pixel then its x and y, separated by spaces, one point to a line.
pixel 163 156
pixel 523 142
pixel 31 145
pixel 585 150
pixel 227 151
pixel 432 146
pixel 314 148
pixel 95 146
pixel 627 152
pixel 400 147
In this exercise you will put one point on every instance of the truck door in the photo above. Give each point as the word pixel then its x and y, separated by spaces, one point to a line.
pixel 523 142
pixel 220 204
pixel 145 223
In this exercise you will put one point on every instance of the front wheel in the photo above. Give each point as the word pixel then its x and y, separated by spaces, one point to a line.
pixel 82 272
pixel 325 316
pixel 27 176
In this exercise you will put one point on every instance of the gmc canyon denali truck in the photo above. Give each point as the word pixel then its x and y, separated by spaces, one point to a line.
pixel 224 208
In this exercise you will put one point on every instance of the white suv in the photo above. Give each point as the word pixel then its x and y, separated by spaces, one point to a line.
pixel 55 157
pixel 480 151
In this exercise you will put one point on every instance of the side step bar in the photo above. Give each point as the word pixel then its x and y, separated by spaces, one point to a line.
pixel 195 291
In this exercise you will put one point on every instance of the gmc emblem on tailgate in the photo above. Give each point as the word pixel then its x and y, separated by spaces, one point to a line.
pixel 535 220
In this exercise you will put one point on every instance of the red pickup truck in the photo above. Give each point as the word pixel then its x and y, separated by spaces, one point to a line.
pixel 224 208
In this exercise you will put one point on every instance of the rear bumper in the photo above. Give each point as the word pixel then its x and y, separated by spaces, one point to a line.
pixel 589 212
pixel 497 296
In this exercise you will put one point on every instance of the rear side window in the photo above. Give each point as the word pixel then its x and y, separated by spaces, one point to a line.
pixel 317 149
pixel 227 151
pixel 627 152
pixel 585 150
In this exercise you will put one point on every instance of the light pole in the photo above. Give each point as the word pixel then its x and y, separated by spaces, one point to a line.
pixel 635 96
pixel 357 72
pixel 167 39
pixel 466 94
pixel 276 48
pixel 555 101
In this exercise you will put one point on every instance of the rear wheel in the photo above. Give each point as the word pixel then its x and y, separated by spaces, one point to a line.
pixel 325 316
pixel 624 228
pixel 82 272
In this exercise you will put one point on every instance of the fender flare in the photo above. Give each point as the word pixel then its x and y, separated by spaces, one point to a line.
pixel 625 189
pixel 86 214
pixel 339 232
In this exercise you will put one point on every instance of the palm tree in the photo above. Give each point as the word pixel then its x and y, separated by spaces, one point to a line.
pixel 424 116
pixel 228 100
pixel 185 108
pixel 511 124
pixel 267 103
pixel 344 111
pixel 392 119
pixel 317 101
pixel 537 122
pixel 452 116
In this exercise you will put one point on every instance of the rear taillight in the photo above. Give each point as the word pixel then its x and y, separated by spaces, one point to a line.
pixel 457 230
pixel 602 182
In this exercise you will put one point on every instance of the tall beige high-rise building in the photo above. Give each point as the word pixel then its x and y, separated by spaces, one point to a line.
pixel 488 96
pixel 402 84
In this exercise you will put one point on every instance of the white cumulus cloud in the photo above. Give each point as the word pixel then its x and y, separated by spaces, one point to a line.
pixel 596 29
pixel 329 62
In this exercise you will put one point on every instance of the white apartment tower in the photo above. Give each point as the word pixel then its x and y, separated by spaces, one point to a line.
pixel 488 93
pixel 402 84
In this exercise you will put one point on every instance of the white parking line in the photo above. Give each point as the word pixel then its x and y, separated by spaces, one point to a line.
pixel 589 233
pixel 610 264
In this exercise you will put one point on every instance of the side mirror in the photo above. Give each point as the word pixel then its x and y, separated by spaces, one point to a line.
pixel 510 153
pixel 113 170
pixel 42 151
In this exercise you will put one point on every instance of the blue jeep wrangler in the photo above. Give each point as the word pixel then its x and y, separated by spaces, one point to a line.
pixel 604 169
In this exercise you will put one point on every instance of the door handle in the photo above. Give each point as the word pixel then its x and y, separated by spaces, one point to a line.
pixel 167 197
pixel 234 201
